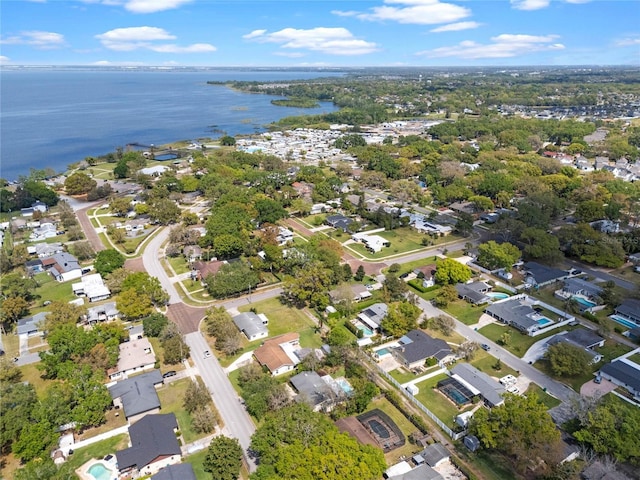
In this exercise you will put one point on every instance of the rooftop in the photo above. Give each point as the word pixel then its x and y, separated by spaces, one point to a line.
pixel 479 382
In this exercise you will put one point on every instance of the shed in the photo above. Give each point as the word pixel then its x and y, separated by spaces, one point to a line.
pixel 471 442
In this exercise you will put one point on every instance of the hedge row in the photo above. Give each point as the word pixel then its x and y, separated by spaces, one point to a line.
pixel 397 402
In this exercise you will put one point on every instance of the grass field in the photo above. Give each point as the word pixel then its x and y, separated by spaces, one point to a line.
pixel 544 397
pixel 520 342
pixel 465 312
pixel 486 363
pixel 178 264
pixel 438 403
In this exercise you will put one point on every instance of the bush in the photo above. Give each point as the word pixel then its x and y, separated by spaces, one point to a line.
pixel 397 402
pixel 353 329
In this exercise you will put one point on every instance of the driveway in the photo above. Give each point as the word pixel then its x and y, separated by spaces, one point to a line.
pixel 593 389
pixel 537 350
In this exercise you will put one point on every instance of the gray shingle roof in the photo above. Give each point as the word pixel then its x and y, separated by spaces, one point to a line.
pixel 181 471
pixel 435 453
pixel 629 308
pixel 374 314
pixel 138 394
pixel 624 373
pixel 542 273
pixel 577 285
pixel 490 390
pixel 513 312
pixel 421 472
pixel 152 436
pixel 31 324
pixel 312 388
pixel 417 346
pixel 250 323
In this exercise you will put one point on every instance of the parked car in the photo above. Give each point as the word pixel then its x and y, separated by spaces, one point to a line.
pixel 170 373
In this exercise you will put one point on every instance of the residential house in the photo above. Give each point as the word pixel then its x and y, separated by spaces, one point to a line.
pixel 201 270
pixel 135 356
pixel 581 338
pixel 373 315
pixel 34 266
pixel 62 266
pixel 623 373
pixel 45 230
pixel 629 309
pixel 137 395
pixel 605 226
pixel 37 206
pixel 463 207
pixel 479 383
pixel 577 286
pixel 154 446
pixel 102 313
pixel 358 293
pixel 539 275
pixel 416 347
pixel 192 253
pixel 91 286
pixel 303 189
pixel 373 243
pixel 475 292
pixel 254 326
pixel 518 311
pixel 338 222
pixel 404 471
pixel 278 353
pixel 31 326
pixel 45 249
pixel 179 471
pixel 433 455
pixel 316 390
pixel 284 236
pixel 428 274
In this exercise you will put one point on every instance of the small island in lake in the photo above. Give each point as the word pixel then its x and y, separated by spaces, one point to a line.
pixel 298 102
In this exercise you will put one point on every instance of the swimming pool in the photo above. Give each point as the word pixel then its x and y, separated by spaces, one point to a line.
pixel 345 386
pixel 584 302
pixel 365 330
pixel 100 471
pixel 544 321
pixel 498 295
pixel 623 321
pixel 382 352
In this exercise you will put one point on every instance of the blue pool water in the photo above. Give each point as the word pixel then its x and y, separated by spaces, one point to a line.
pixel 497 295
pixel 100 472
pixel 345 385
pixel 544 321
pixel 366 330
pixel 382 352
pixel 584 302
pixel 623 321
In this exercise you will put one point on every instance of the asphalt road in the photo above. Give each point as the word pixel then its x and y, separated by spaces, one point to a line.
pixel 153 266
pixel 237 421
pixel 603 275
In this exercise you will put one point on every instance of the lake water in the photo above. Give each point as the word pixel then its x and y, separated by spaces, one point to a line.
pixel 51 118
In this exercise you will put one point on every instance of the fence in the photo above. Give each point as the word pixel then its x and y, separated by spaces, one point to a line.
pixel 416 402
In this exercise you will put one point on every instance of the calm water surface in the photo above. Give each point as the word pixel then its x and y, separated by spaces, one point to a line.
pixel 53 118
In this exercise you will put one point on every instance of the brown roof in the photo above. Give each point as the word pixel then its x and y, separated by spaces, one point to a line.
pixel 208 268
pixel 271 355
pixel 428 270
pixel 353 427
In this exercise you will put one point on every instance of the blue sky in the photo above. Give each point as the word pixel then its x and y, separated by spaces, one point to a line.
pixel 320 32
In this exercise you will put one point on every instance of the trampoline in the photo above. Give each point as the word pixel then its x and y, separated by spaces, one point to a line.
pixel 455 391
pixel 379 429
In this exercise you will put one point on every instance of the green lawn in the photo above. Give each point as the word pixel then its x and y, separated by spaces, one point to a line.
pixel 520 342
pixel 402 240
pixel 635 358
pixel 440 405
pixel 96 450
pixel 52 290
pixel 453 339
pixel 402 375
pixel 171 398
pixel 282 319
pixel 179 264
pixel 486 363
pixel 544 397
pixel 411 266
pixel 465 312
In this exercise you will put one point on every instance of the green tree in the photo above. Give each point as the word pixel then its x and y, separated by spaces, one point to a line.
pixel 231 279
pixel 394 288
pixel 359 276
pixel 164 211
pixel 521 428
pixel 567 360
pixel 446 295
pixel 154 324
pixel 590 211
pixel 442 323
pixel 401 317
pixel 450 271
pixel 227 141
pixel 310 285
pixel 145 284
pixel 492 255
pixel 269 210
pixel 62 312
pixel 224 458
pixel 79 183
pixel 17 404
pixel 175 349
pixel 196 397
pixel 107 261
pixel 119 206
pixel 541 245
pixel 12 309
pixel 133 305
pixel 481 203
pixel 35 440
pixel 464 225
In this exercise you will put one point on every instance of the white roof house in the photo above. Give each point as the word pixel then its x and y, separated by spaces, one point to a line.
pixel 93 287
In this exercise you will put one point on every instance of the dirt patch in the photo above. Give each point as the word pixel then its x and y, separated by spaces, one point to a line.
pixel 187 318
pixel 134 265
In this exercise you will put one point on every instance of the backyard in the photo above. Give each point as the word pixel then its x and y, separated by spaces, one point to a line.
pixel 437 402
pixel 519 342
pixel 402 240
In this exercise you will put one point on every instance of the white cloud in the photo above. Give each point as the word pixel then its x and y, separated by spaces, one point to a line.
pixel 107 63
pixel 530 4
pixel 289 54
pixel 4 60
pixel 502 46
pixel 539 4
pixel 628 41
pixel 333 41
pixel 456 27
pixel 36 38
pixel 143 6
pixel 419 12
pixel 134 38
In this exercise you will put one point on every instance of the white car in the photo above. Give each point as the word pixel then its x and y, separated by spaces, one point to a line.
pixel 207 354
pixel 513 389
